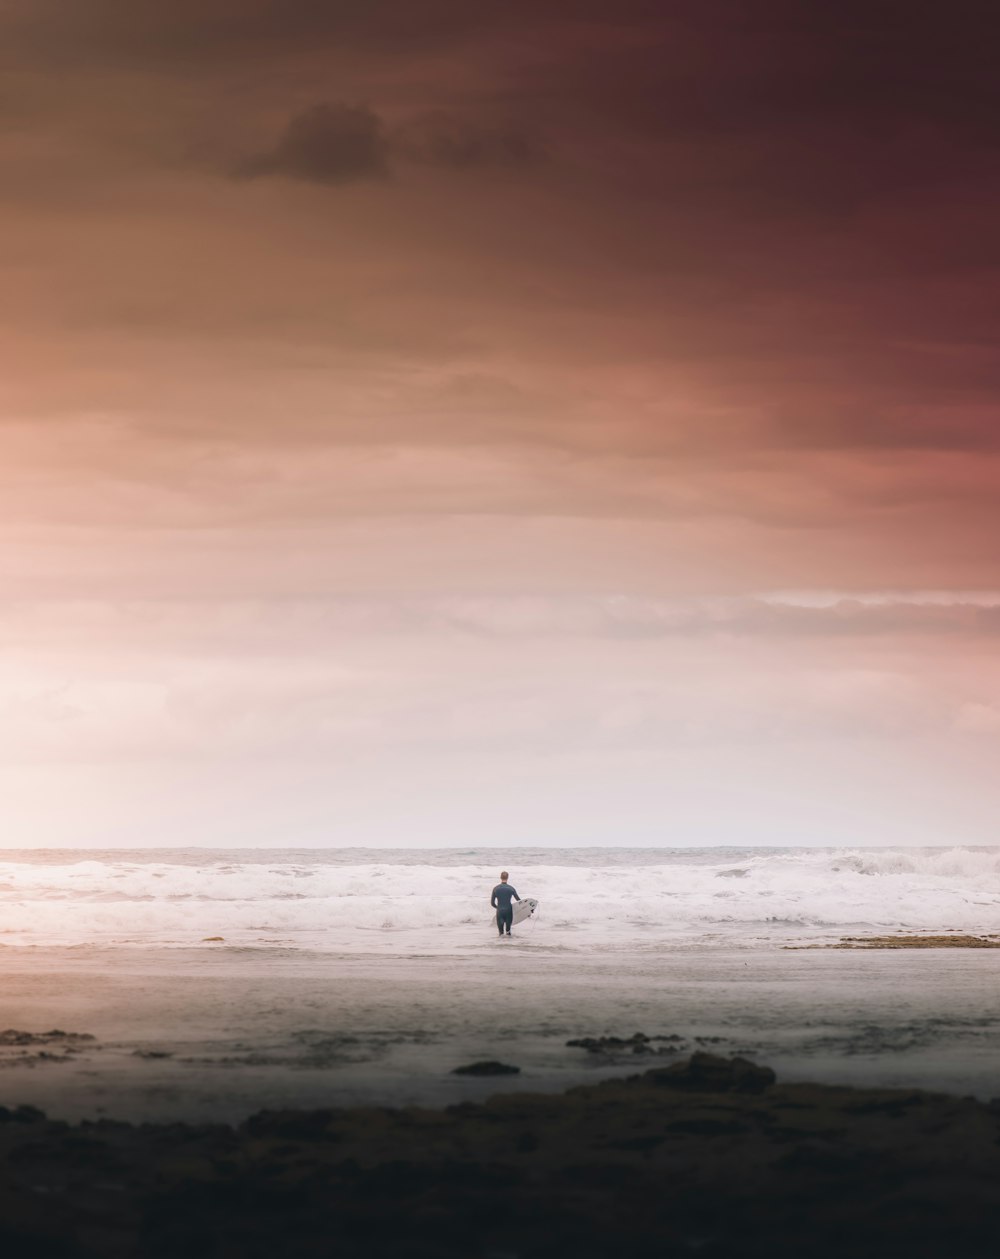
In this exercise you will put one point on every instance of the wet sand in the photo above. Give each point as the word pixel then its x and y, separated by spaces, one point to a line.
pixel 706 1157
pixel 215 1035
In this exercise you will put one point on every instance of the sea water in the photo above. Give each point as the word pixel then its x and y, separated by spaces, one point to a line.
pixel 216 983
pixel 358 901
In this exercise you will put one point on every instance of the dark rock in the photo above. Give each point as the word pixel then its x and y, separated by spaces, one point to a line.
pixel 56 1037
pixel 611 1047
pixel 637 1044
pixel 708 1073
pixel 487 1068
pixel 21 1114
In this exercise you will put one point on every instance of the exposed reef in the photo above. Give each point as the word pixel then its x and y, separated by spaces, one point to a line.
pixel 487 1068
pixel 611 1047
pixel 28 1049
pixel 708 1157
pixel 907 942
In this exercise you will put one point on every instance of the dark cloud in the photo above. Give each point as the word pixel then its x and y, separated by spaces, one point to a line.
pixel 707 67
pixel 337 143
pixel 326 144
pixel 787 111
pixel 195 33
pixel 442 139
pixel 126 33
pixel 782 207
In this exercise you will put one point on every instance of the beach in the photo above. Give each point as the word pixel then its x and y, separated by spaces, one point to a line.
pixel 240 1054
pixel 449 438
pixel 344 979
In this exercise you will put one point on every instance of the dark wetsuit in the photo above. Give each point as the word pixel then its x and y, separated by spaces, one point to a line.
pixel 501 899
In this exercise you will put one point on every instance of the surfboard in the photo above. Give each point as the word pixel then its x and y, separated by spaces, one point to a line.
pixel 524 908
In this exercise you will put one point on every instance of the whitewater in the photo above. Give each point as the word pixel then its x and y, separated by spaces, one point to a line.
pixel 357 901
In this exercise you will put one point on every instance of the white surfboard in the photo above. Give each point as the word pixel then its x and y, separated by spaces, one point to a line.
pixel 524 908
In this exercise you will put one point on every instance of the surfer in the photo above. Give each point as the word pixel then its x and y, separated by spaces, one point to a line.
pixel 501 899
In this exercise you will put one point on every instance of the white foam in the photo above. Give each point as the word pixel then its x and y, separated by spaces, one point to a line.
pixel 369 901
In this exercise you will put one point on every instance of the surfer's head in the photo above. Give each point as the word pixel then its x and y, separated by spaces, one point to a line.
pixel 504 876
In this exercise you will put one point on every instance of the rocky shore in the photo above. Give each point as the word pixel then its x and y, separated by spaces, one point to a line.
pixel 707 1156
pixel 919 942
pixel 955 941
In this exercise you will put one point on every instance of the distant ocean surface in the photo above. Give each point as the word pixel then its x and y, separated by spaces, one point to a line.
pixel 379 901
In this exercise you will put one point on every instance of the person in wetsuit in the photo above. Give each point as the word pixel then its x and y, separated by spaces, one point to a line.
pixel 502 901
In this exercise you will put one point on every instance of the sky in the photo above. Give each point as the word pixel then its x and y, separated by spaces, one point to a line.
pixel 466 423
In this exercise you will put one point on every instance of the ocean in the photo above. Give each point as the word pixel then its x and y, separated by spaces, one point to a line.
pixel 362 901
pixel 216 983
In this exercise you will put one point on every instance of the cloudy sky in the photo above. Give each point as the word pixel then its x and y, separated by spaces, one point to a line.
pixel 480 422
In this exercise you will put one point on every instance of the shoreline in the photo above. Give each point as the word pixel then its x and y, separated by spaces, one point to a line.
pixel 213 1036
pixel 138 951
pixel 708 1156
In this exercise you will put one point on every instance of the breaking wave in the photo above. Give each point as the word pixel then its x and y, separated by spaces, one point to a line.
pixel 353 900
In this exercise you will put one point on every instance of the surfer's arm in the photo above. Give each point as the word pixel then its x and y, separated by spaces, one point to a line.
pixel 514 894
